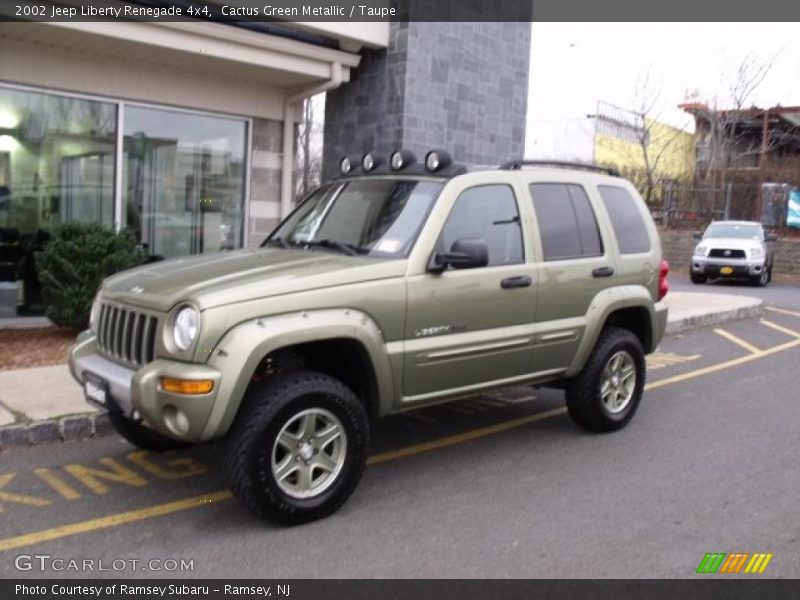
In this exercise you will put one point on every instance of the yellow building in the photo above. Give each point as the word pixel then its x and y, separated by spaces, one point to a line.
pixel 639 146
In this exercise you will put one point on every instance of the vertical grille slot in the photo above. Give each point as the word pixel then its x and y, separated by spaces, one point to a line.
pixel 127 335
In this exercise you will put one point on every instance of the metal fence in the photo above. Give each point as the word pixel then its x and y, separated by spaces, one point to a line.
pixel 677 205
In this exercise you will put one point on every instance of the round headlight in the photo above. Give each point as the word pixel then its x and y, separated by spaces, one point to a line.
pixel 368 162
pixel 345 166
pixel 187 325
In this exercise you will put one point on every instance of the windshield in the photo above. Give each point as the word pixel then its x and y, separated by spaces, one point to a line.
pixel 372 217
pixel 730 230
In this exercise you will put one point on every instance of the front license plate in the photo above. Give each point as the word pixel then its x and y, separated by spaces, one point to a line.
pixel 96 390
pixel 726 271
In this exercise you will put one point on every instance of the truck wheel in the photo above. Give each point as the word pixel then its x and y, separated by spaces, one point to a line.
pixel 298 447
pixel 763 279
pixel 606 393
pixel 697 278
pixel 141 436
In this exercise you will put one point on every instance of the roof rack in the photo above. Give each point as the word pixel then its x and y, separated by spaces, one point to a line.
pixel 516 165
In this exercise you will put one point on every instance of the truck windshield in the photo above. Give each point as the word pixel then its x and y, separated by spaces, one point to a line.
pixel 733 230
pixel 372 217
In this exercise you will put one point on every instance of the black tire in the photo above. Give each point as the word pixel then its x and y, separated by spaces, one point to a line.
pixel 584 401
pixel 697 278
pixel 141 436
pixel 266 410
pixel 763 279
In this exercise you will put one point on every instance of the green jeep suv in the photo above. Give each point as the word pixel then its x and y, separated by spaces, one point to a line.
pixel 399 285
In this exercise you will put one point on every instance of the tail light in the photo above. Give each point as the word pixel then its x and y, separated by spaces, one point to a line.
pixel 663 284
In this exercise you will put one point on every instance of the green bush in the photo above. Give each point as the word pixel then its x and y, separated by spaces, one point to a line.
pixel 74 263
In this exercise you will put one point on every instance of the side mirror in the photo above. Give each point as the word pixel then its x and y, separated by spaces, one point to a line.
pixel 464 254
pixel 771 237
pixel 698 235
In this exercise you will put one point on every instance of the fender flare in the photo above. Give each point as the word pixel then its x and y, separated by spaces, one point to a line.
pixel 245 345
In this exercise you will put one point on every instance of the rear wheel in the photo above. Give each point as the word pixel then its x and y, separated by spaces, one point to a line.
pixel 697 278
pixel 606 393
pixel 298 447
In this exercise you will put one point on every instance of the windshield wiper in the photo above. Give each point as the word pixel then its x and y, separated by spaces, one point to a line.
pixel 278 240
pixel 348 249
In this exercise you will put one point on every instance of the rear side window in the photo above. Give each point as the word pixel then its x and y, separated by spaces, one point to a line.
pixel 567 225
pixel 626 219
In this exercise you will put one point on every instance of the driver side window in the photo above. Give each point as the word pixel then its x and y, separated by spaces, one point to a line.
pixel 487 212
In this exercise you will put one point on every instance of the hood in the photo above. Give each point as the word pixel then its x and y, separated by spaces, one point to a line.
pixel 210 280
pixel 732 243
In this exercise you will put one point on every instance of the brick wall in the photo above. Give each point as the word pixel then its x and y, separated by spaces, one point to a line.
pixel 461 87
pixel 679 245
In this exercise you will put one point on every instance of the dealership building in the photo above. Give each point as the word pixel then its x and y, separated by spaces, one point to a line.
pixel 184 131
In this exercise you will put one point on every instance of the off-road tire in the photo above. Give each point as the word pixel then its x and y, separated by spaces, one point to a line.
pixel 584 402
pixel 266 408
pixel 141 436
pixel 697 279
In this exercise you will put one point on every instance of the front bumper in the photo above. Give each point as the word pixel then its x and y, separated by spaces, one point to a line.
pixel 716 267
pixel 138 394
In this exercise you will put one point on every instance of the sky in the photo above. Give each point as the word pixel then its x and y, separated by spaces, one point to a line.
pixel 573 65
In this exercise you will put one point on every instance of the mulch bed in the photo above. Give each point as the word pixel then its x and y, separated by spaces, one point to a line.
pixel 35 347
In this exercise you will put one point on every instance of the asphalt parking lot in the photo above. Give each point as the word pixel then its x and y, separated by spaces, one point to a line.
pixel 503 485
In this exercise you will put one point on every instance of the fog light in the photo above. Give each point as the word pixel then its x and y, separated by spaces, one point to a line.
pixel 401 159
pixel 345 166
pixel 368 162
pixel 187 386
pixel 176 420
pixel 437 159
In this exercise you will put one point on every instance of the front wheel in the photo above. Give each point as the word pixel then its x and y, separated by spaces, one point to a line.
pixel 298 447
pixel 697 278
pixel 606 393
pixel 763 278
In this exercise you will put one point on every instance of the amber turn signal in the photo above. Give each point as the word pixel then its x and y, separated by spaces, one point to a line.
pixel 187 386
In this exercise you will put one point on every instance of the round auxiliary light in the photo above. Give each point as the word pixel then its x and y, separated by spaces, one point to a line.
pixel 368 162
pixel 437 159
pixel 401 159
pixel 345 166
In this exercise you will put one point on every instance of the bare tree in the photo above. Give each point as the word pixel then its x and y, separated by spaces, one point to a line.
pixel 308 159
pixel 650 142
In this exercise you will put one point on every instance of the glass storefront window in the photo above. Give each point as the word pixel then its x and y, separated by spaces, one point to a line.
pixel 57 163
pixel 184 180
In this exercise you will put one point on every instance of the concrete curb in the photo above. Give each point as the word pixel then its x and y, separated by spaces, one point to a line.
pixel 715 318
pixel 62 429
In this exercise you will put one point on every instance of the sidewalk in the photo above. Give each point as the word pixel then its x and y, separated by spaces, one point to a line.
pixel 44 404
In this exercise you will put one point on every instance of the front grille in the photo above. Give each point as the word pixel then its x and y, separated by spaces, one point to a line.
pixel 126 334
pixel 721 253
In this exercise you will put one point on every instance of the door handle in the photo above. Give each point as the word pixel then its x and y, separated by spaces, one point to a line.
pixel 602 272
pixel 515 282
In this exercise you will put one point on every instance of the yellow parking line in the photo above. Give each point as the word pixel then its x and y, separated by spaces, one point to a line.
pixel 460 438
pixel 780 328
pixel 783 311
pixel 222 495
pixel 114 520
pixel 721 366
pixel 737 340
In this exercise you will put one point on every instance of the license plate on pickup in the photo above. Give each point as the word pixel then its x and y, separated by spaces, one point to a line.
pixel 96 390
pixel 726 271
